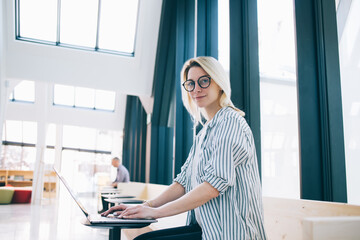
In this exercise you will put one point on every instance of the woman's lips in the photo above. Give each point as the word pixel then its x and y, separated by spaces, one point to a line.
pixel 199 97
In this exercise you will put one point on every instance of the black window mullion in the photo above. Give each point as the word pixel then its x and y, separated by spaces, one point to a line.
pixel 98 27
pixel 17 18
pixel 323 173
pixel 244 65
pixel 58 23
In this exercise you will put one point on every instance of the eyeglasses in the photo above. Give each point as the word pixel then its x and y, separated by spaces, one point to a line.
pixel 203 82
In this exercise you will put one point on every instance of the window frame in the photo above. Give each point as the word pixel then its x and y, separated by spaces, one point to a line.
pixel 66 45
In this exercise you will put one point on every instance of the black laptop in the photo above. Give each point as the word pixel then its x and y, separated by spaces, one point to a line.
pixel 97 218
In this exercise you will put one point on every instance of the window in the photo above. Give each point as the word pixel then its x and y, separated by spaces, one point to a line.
pixel 18 148
pixel 86 156
pixel 278 99
pixel 23 92
pixel 84 98
pixel 349 52
pixel 224 34
pixel 97 25
pixel 35 22
pixel 78 22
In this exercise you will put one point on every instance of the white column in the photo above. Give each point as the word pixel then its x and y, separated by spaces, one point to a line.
pixel 2 75
pixel 58 153
pixel 41 101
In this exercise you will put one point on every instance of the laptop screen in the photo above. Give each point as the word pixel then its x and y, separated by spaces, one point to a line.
pixel 72 193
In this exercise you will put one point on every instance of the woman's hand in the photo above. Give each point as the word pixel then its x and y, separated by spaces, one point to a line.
pixel 116 210
pixel 139 211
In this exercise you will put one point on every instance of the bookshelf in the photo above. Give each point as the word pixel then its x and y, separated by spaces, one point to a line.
pixel 24 178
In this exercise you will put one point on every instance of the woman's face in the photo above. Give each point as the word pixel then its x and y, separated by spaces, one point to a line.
pixel 207 98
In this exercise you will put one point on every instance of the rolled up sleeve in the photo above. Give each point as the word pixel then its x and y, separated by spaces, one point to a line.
pixel 229 149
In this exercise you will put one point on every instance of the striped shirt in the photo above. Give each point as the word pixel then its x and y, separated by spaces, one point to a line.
pixel 227 160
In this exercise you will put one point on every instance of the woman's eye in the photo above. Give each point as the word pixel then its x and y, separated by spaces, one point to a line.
pixel 204 81
pixel 190 84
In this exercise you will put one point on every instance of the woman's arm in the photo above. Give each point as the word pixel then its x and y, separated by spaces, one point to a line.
pixel 193 199
pixel 174 191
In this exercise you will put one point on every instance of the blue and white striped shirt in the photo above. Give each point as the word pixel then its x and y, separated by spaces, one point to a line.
pixel 227 160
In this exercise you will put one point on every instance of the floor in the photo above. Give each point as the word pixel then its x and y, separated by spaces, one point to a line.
pixel 53 219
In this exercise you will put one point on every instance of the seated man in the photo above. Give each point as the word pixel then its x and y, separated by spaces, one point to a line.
pixel 121 176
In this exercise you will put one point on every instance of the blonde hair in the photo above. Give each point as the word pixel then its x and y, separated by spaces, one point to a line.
pixel 217 73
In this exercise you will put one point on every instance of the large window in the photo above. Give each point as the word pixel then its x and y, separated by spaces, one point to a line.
pixel 23 92
pixel 224 34
pixel 84 97
pixel 349 51
pixel 18 148
pixel 278 94
pixel 278 99
pixel 99 25
pixel 86 156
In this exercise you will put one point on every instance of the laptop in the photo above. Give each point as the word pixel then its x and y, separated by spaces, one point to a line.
pixel 97 218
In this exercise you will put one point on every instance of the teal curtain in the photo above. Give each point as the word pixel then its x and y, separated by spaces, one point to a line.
pixel 134 142
pixel 162 129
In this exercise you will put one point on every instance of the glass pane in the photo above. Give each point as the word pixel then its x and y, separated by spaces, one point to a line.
pixel 349 51
pixel 78 169
pixel 25 91
pixel 64 95
pixel 49 159
pixel 104 140
pixel 84 97
pixel 278 99
pixel 70 134
pixel 78 22
pixel 224 34
pixel 29 132
pixel 13 130
pixel 18 158
pixel 11 157
pixel 28 158
pixel 79 137
pixel 2 157
pixel 105 100
pixel 87 138
pixel 118 25
pixel 38 19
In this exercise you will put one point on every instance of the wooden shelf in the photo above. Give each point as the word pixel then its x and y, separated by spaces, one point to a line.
pixel 25 179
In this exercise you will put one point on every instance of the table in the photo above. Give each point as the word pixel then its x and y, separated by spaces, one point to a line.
pixel 114 201
pixel 114 228
pixel 116 195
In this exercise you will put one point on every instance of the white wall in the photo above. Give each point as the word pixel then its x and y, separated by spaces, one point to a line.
pixel 127 75
pixel 66 115
pixel 48 65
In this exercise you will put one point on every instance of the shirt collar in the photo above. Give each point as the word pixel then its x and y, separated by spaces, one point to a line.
pixel 217 115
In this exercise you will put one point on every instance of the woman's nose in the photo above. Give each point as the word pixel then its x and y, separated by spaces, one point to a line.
pixel 197 87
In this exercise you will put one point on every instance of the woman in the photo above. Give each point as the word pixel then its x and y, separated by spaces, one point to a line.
pixel 219 183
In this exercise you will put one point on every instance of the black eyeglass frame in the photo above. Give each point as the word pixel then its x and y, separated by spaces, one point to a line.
pixel 198 81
